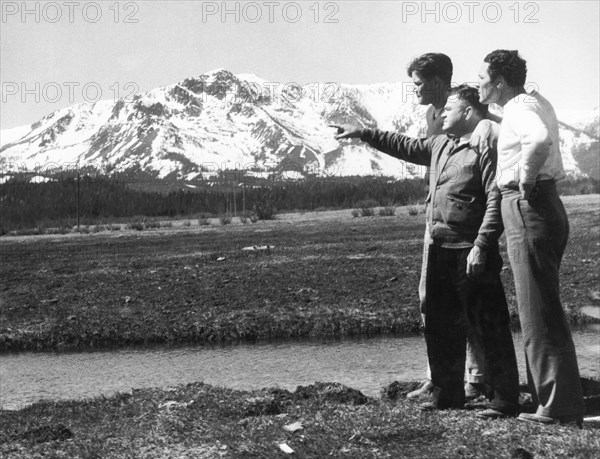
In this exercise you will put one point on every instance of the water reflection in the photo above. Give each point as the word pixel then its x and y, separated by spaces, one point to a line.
pixel 365 364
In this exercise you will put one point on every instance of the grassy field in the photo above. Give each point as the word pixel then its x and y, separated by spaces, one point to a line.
pixel 323 274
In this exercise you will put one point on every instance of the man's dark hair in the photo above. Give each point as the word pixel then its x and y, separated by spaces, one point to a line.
pixel 431 65
pixel 507 64
pixel 471 96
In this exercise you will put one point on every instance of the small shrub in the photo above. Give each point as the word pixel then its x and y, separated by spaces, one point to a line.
pixel 153 224
pixel 265 210
pixel 137 225
pixel 225 219
pixel 203 219
pixel 366 207
pixel 387 211
pixel 248 215
pixel 356 213
pixel 413 210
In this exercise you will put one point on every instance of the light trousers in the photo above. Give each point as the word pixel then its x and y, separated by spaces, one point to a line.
pixel 537 231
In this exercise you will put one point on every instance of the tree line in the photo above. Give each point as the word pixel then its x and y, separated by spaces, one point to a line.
pixel 61 201
pixel 94 199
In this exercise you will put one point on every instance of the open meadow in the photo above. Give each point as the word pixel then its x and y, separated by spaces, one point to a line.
pixel 318 274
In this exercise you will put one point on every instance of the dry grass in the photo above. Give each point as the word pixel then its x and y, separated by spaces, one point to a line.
pixel 198 420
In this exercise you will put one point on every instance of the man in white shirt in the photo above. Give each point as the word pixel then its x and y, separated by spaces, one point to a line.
pixel 537 229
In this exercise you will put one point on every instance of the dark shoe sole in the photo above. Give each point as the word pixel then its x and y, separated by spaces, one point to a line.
pixel 495 414
pixel 432 406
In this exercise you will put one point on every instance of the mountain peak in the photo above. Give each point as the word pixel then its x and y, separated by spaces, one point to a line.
pixel 215 71
pixel 218 120
pixel 250 78
pixel 217 75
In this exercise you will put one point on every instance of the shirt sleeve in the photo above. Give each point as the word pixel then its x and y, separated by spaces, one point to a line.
pixel 416 151
pixel 535 144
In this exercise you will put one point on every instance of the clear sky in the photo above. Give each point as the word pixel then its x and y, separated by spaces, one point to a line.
pixel 57 53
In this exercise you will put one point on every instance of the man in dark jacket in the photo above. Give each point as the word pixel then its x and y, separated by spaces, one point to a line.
pixel 464 290
pixel 431 74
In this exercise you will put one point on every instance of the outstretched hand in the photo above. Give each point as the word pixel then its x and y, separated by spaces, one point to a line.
pixel 346 131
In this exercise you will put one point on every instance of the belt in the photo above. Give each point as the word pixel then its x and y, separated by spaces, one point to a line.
pixel 540 185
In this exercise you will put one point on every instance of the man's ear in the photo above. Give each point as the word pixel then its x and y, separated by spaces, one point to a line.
pixel 500 82
pixel 468 113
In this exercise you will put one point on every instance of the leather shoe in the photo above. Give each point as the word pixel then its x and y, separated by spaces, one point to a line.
pixel 424 391
pixel 475 390
pixel 563 420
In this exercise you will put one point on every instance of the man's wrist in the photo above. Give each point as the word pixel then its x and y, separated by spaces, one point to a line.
pixel 481 250
pixel 480 244
pixel 366 134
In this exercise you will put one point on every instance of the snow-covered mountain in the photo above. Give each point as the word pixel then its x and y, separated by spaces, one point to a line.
pixel 580 142
pixel 220 121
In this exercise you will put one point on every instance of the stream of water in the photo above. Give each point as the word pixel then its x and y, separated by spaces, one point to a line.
pixel 364 364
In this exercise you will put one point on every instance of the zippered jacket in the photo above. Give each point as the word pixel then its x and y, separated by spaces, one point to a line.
pixel 463 204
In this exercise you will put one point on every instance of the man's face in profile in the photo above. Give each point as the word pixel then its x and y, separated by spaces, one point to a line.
pixel 453 114
pixel 488 89
pixel 427 91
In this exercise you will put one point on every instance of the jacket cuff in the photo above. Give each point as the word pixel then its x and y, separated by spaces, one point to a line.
pixel 482 242
pixel 367 135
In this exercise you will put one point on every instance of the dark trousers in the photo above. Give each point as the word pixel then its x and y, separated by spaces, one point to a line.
pixel 536 232
pixel 475 357
pixel 458 305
